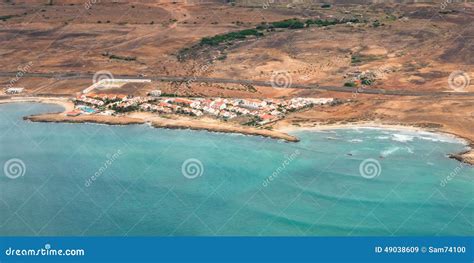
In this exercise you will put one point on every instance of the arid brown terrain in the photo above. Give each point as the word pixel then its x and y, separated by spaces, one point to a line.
pixel 410 47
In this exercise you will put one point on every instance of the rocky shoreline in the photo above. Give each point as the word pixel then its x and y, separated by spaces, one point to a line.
pixel 161 123
pixel 464 157
pixel 59 118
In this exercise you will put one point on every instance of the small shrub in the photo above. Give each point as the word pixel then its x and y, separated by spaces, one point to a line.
pixel 216 40
pixel 350 84
pixel 356 59
pixel 289 23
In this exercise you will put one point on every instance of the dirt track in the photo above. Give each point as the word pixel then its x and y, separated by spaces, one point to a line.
pixel 69 75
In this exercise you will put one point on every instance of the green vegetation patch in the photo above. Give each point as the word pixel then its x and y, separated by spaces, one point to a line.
pixel 326 22
pixel 117 57
pixel 216 40
pixel 227 38
pixel 289 23
pixel 358 59
pixel 5 18
pixel 350 84
pixel 377 23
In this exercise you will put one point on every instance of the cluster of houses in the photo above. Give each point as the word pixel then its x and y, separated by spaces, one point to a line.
pixel 262 111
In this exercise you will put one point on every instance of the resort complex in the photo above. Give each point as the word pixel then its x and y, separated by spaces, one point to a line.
pixel 246 111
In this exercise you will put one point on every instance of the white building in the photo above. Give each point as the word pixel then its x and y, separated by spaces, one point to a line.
pixel 253 104
pixel 14 90
pixel 320 101
pixel 155 93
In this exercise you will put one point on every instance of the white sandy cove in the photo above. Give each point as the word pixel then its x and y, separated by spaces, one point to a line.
pixel 422 133
pixel 66 103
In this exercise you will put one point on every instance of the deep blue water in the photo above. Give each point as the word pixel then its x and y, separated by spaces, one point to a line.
pixel 234 184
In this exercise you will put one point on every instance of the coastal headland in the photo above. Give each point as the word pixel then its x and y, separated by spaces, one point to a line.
pixel 175 122
pixel 157 122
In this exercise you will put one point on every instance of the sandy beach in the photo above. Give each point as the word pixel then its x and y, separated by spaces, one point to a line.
pixel 374 125
pixel 466 156
pixel 66 103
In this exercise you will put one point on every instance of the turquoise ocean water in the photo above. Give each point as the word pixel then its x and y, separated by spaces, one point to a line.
pixel 95 180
